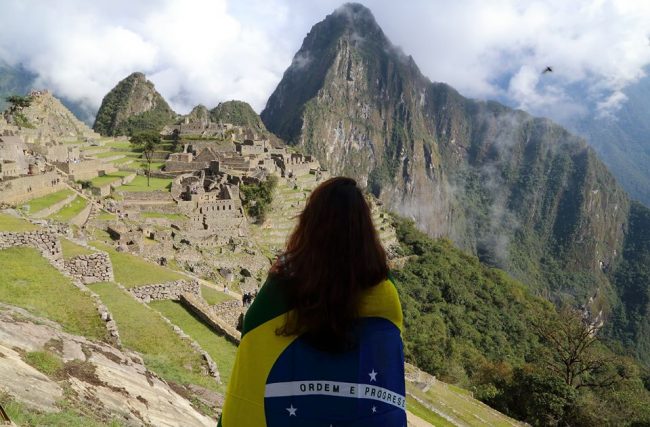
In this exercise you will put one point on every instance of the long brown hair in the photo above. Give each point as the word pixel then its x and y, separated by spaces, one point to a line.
pixel 332 255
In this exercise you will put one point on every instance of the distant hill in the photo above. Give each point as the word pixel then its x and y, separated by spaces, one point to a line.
pixel 132 106
pixel 238 113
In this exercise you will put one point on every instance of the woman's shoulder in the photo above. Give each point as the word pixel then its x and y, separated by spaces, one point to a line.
pixel 382 300
pixel 269 303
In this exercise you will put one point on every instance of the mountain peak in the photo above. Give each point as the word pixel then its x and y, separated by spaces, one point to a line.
pixel 355 13
pixel 133 105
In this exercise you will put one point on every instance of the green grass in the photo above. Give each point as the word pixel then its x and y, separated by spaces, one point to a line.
pixel 106 216
pixel 221 350
pixel 162 215
pixel 132 271
pixel 122 145
pixel 112 153
pixel 421 411
pixel 140 184
pixel 70 210
pixel 41 203
pixel 11 223
pixel 142 330
pixel 110 178
pixel 44 361
pixel 124 160
pixel 154 165
pixel 459 405
pixel 71 249
pixel 69 417
pixel 212 296
pixel 30 282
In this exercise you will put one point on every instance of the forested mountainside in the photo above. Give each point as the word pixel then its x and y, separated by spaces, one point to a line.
pixel 476 327
pixel 521 192
pixel 133 106
pixel 238 113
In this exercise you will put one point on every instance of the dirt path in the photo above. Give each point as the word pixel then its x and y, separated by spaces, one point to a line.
pixel 415 421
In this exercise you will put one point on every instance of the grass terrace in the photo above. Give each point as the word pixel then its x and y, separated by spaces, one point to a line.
pixel 12 223
pixel 169 216
pixel 418 409
pixel 112 153
pixel 125 160
pixel 44 202
pixel 109 178
pixel 213 296
pixel 143 330
pixel 140 184
pixel 154 165
pixel 132 271
pixel 70 210
pixel 106 216
pixel 221 350
pixel 458 405
pixel 120 145
pixel 71 249
pixel 22 284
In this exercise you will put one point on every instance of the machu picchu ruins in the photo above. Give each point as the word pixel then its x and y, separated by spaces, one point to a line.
pixel 180 235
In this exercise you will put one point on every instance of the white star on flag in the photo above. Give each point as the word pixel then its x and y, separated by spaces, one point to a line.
pixel 292 411
pixel 373 375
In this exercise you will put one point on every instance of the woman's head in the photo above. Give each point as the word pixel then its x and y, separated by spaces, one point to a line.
pixel 331 257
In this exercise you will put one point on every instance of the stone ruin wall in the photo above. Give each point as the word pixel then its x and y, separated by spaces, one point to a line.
pixel 229 311
pixel 46 242
pixel 166 291
pixel 146 196
pixel 198 306
pixel 19 190
pixel 90 268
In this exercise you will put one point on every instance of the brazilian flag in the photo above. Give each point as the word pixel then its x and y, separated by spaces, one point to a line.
pixel 280 381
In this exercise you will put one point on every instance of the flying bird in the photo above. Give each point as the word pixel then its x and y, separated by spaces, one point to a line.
pixel 547 70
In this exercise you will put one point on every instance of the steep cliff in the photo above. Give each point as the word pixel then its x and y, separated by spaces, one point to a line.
pixel 521 192
pixel 133 106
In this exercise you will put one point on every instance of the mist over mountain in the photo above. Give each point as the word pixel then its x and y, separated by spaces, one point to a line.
pixel 521 192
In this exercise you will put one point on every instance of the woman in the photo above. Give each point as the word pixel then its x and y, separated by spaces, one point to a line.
pixel 321 344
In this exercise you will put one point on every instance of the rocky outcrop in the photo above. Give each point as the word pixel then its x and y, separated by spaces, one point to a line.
pixel 108 383
pixel 166 291
pixel 133 106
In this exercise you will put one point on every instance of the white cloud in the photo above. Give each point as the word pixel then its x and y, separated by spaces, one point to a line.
pixel 207 51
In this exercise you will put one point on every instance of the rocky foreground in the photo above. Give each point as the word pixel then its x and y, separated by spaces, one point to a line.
pixel 112 384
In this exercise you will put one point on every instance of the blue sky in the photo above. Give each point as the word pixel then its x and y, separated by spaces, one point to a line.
pixel 207 51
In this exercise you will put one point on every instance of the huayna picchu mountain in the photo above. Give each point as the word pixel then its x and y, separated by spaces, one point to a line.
pixel 133 106
pixel 521 192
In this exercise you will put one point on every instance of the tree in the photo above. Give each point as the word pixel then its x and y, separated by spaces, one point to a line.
pixel 573 350
pixel 18 101
pixel 147 142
